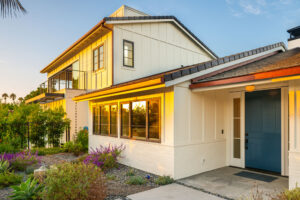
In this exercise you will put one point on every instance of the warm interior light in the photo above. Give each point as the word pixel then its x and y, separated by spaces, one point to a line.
pixel 250 88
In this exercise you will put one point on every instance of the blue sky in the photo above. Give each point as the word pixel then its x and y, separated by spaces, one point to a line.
pixel 30 42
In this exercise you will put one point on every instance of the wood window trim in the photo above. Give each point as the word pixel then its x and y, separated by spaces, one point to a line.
pixel 147 139
pixel 132 43
pixel 98 56
pixel 98 107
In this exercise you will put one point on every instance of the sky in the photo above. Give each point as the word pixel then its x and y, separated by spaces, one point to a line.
pixel 30 42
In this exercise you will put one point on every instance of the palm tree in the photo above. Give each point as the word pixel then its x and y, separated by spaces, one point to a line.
pixel 13 97
pixel 11 8
pixel 5 96
pixel 20 99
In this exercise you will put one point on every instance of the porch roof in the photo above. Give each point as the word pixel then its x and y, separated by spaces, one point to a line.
pixel 281 64
pixel 45 97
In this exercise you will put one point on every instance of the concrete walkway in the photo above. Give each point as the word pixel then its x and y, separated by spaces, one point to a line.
pixel 173 192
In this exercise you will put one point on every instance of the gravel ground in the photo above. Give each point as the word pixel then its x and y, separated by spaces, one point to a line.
pixel 57 159
pixel 118 188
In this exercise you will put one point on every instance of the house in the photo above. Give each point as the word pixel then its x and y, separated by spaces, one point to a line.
pixel 153 86
pixel 116 51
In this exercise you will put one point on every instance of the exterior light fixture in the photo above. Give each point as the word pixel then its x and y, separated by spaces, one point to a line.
pixel 250 88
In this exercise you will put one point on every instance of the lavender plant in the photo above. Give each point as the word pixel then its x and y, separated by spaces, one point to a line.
pixel 105 157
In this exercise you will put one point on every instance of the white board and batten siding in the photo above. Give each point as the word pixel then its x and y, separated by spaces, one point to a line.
pixel 158 47
pixel 199 141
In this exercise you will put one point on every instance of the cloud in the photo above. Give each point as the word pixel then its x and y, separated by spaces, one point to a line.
pixel 251 8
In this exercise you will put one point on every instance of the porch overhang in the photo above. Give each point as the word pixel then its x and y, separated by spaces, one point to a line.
pixel 45 97
pixel 279 75
pixel 122 89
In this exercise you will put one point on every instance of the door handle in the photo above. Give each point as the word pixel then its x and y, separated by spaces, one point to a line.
pixel 246 134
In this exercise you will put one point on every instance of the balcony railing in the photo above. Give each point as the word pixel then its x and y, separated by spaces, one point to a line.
pixel 66 79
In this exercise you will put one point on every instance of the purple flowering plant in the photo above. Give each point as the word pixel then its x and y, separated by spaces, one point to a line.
pixel 105 157
pixel 19 161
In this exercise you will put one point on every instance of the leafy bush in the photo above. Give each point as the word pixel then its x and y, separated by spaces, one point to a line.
pixel 111 177
pixel 19 161
pixel 75 148
pixel 27 190
pixel 82 138
pixel 4 166
pixel 74 181
pixel 9 178
pixel 47 151
pixel 105 157
pixel 7 148
pixel 164 180
pixel 136 180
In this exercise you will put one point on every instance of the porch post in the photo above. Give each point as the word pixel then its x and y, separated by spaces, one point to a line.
pixel 294 134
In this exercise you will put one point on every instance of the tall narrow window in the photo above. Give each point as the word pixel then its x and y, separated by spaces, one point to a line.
pixel 138 123
pixel 98 58
pixel 153 119
pixel 113 120
pixel 96 120
pixel 104 120
pixel 236 128
pixel 125 119
pixel 128 53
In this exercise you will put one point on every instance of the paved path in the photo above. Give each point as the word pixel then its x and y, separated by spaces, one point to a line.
pixel 173 192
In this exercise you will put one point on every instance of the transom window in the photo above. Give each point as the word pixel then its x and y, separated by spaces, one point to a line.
pixel 98 58
pixel 128 53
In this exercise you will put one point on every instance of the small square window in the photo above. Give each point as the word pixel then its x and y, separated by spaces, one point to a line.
pixel 98 58
pixel 128 53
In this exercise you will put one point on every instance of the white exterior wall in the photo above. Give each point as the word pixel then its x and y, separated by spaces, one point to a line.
pixel 158 47
pixel 157 158
pixel 294 130
pixel 77 112
pixel 294 43
pixel 199 120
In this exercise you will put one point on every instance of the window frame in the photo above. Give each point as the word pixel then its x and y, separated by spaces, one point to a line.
pixel 147 120
pixel 98 56
pixel 98 107
pixel 130 42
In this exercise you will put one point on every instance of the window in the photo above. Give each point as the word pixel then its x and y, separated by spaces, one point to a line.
pixel 138 116
pixel 141 120
pixel 125 116
pixel 98 58
pixel 128 53
pixel 236 128
pixel 105 120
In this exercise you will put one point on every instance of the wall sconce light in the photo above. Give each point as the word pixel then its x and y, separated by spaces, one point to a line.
pixel 250 88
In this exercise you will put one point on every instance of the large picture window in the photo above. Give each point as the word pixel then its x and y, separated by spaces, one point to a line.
pixel 98 58
pixel 105 121
pixel 141 120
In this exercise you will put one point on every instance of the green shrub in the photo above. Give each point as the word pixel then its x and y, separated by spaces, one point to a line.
pixel 82 138
pixel 290 194
pixel 9 178
pixel 136 180
pixel 74 181
pixel 164 180
pixel 131 172
pixel 28 190
pixel 48 151
pixel 74 148
pixel 4 166
pixel 7 148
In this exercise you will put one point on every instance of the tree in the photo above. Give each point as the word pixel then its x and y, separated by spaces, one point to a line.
pixel 13 97
pixel 20 99
pixel 11 8
pixel 5 96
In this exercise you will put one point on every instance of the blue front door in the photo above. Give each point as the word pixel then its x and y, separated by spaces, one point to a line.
pixel 263 130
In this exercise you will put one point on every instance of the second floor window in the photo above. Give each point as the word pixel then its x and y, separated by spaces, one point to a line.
pixel 128 53
pixel 98 58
